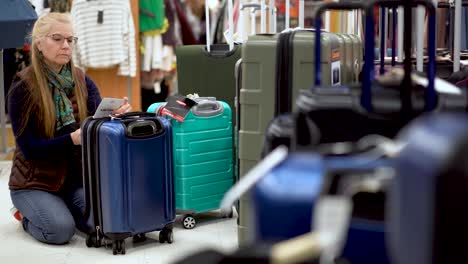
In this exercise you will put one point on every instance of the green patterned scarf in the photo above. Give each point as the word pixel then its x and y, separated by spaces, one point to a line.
pixel 62 89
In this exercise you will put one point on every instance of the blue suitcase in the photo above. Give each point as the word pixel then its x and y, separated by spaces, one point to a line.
pixel 428 215
pixel 128 178
pixel 293 187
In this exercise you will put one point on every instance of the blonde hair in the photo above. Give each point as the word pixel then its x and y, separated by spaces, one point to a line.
pixel 40 99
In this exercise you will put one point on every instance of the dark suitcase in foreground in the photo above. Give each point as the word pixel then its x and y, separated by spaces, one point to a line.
pixel 283 202
pixel 128 178
pixel 427 201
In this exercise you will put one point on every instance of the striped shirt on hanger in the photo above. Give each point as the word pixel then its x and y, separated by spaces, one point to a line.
pixel 106 35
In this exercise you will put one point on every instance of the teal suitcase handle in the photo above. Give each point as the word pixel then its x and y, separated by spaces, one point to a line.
pixel 207 108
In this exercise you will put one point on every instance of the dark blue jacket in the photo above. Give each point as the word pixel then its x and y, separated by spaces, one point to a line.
pixel 38 162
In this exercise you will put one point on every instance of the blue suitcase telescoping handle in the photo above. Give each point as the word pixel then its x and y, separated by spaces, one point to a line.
pixel 318 25
pixel 368 68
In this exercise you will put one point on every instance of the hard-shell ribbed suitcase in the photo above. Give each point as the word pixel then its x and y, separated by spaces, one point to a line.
pixel 275 68
pixel 271 65
pixel 128 178
pixel 203 157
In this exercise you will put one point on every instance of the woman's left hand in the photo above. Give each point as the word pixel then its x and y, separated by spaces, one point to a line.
pixel 124 108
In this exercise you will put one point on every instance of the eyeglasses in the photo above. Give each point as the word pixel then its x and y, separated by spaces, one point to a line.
pixel 59 39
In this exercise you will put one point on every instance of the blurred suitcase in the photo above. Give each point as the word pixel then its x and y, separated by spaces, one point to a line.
pixel 337 115
pixel 275 69
pixel 128 178
pixel 203 157
pixel 295 185
pixel 427 213
pixel 381 107
pixel 271 65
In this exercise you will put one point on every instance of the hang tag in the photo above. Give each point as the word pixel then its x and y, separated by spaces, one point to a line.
pixel 100 17
pixel 157 87
pixel 227 37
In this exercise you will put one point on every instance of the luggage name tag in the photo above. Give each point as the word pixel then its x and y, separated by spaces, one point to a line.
pixel 335 67
pixel 332 216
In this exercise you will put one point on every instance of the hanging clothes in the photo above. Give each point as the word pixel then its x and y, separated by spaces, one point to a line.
pixel 188 36
pixel 153 24
pixel 106 35
pixel 60 6
pixel 152 15
pixel 38 6
pixel 172 36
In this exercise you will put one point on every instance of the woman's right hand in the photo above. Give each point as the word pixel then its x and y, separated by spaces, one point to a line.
pixel 76 137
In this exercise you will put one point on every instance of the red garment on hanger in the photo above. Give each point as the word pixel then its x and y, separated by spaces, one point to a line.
pixel 188 37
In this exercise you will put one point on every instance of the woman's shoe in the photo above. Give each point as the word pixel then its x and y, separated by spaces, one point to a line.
pixel 16 214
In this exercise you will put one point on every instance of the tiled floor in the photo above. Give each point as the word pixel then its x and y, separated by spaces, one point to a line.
pixel 18 247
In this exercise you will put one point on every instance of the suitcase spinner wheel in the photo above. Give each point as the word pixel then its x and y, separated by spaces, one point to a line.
pixel 118 247
pixel 93 241
pixel 166 235
pixel 188 221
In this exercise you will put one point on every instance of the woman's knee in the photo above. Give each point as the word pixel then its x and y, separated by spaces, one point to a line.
pixel 59 231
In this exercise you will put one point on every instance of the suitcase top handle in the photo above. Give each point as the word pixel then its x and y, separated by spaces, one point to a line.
pixel 368 68
pixel 135 114
pixel 207 108
pixel 142 128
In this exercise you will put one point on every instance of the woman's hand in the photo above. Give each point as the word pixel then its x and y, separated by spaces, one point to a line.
pixel 124 108
pixel 76 137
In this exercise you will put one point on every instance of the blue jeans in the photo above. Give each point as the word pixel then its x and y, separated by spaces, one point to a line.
pixel 51 217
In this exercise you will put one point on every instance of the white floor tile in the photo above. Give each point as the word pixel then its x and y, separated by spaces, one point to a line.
pixel 18 247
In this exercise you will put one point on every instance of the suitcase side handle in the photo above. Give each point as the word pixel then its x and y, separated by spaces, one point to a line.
pixel 142 129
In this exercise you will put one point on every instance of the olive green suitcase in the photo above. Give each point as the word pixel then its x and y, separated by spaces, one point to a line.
pixel 208 70
pixel 209 74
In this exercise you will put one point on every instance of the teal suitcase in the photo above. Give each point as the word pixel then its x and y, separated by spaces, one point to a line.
pixel 203 158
